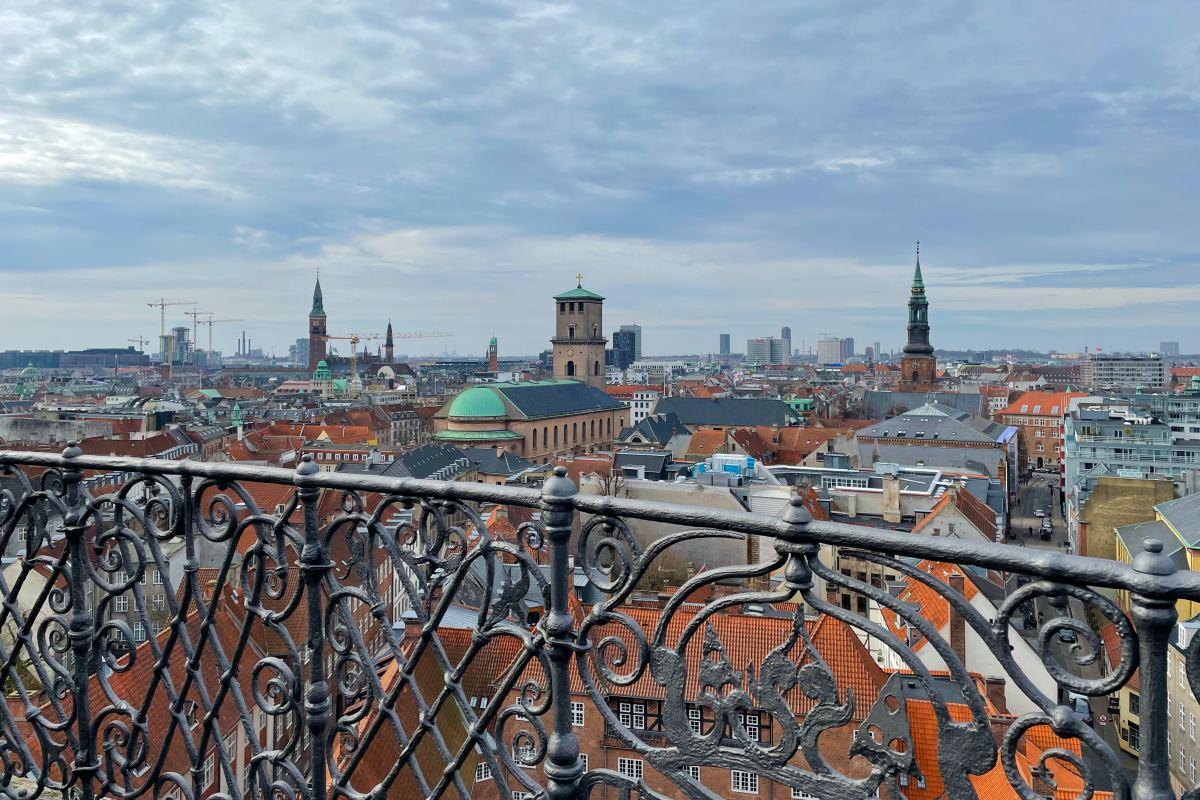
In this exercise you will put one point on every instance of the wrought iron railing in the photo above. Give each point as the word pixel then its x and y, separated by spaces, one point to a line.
pixel 306 648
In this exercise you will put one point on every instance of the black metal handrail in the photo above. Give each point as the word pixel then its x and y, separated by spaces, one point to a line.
pixel 234 699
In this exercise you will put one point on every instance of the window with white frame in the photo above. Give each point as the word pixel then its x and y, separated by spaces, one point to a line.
pixel 210 771
pixel 139 635
pixel 577 714
pixel 157 578
pixel 800 794
pixel 483 772
pixel 630 768
pixel 694 773
pixel 750 723
pixel 632 715
pixel 120 604
pixel 159 602
pixel 1191 727
pixel 694 718
pixel 583 762
pixel 517 795
pixel 745 782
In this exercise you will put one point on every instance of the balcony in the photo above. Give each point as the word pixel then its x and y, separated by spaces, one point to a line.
pixel 360 637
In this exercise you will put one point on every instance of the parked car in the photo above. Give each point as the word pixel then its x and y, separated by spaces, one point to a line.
pixel 1039 513
pixel 1068 636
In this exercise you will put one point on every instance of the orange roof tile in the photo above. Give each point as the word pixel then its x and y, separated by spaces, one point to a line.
pixel 931 605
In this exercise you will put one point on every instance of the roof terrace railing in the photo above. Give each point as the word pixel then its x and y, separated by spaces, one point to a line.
pixel 303 649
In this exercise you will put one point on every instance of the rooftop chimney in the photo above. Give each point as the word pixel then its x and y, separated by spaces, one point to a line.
pixel 958 626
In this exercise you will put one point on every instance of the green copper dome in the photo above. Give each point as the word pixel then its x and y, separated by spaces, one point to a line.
pixel 477 402
pixel 321 373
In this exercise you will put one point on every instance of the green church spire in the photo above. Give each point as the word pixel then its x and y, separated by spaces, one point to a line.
pixel 918 284
pixel 318 307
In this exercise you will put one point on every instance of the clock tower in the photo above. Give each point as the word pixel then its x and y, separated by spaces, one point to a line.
pixel 579 336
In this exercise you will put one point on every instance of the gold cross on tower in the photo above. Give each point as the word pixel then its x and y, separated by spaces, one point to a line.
pixel 579 281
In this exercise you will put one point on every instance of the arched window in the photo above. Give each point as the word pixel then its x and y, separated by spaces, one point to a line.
pixel 571 331
pixel 535 440
pixel 610 426
pixel 556 436
pixel 545 436
pixel 915 379
pixel 575 433
pixel 570 368
pixel 595 331
pixel 596 368
pixel 566 430
pixel 593 429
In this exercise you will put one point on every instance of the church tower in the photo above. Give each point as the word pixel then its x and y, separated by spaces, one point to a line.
pixel 317 329
pixel 579 336
pixel 918 367
pixel 389 346
pixel 493 356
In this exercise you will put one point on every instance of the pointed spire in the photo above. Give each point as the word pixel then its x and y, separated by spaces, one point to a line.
pixel 388 340
pixel 918 282
pixel 318 306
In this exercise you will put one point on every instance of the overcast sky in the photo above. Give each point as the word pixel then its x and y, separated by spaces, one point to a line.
pixel 707 166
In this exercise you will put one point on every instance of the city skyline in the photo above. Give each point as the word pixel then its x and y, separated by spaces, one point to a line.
pixel 448 173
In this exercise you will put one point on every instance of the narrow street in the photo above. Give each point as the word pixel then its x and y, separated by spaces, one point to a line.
pixel 1041 493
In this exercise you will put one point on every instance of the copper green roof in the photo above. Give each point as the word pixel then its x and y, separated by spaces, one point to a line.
pixel 318 306
pixel 476 436
pixel 477 402
pixel 578 293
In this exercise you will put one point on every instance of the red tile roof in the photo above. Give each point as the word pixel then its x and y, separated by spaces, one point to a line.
pixel 931 605
pixel 1048 404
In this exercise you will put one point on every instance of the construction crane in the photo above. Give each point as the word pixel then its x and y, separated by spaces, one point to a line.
pixel 210 322
pixel 423 335
pixel 141 342
pixel 195 315
pixel 354 339
pixel 161 304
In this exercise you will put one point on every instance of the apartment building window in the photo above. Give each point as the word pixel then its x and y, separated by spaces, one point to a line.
pixel 160 602
pixel 210 771
pixel 630 768
pixel 1135 736
pixel 745 782
pixel 516 795
pixel 800 794
pixel 577 714
pixel 694 719
pixel 139 635
pixel 157 578
pixel 694 773
pixel 482 772
pixel 1191 727
pixel 1192 769
pixel 120 604
pixel 632 715
pixel 1135 703
pixel 583 761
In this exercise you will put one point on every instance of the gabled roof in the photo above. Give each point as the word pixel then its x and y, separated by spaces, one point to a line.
pixel 929 604
pixel 1183 517
pixel 1041 404
pixel 728 411
pixel 655 429
pixel 935 421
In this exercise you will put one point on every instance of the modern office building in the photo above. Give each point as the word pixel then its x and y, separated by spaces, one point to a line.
pixel 623 349
pixel 847 349
pixel 786 334
pixel 725 348
pixel 765 350
pixel 1115 373
pixel 636 332
pixel 1168 349
pixel 829 350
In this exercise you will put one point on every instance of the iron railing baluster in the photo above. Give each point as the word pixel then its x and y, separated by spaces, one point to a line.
pixel 563 768
pixel 314 565
pixel 82 627
pixel 1153 618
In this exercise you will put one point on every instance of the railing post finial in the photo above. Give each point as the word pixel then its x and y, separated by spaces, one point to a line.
pixel 563 768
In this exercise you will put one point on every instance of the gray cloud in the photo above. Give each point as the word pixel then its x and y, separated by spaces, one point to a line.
pixel 710 166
